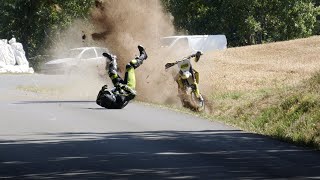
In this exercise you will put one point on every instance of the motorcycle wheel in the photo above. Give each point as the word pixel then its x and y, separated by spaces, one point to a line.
pixel 197 102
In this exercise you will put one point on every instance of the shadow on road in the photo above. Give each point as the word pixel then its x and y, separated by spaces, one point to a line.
pixel 155 155
pixel 53 102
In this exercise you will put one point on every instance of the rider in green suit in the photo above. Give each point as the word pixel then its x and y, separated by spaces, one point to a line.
pixel 124 89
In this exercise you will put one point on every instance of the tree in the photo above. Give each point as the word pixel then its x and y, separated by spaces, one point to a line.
pixel 245 22
pixel 317 26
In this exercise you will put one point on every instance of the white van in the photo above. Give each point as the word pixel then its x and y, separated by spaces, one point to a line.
pixel 195 42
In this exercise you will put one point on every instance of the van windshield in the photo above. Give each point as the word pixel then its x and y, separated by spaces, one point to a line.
pixel 167 41
pixel 74 53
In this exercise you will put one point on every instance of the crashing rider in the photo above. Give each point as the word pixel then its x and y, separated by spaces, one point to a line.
pixel 124 89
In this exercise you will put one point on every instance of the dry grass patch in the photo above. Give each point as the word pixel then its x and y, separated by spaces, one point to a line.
pixel 260 66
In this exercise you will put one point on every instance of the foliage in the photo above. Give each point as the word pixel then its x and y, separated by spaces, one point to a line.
pixel 295 119
pixel 317 26
pixel 32 21
pixel 292 114
pixel 245 22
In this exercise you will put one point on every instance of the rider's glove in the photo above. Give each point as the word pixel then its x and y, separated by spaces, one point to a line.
pixel 168 65
pixel 197 55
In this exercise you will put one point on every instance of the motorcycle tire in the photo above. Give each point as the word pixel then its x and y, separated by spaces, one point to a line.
pixel 197 103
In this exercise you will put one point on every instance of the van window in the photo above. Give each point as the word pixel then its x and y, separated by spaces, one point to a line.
pixel 182 43
pixel 100 51
pixel 89 53
pixel 166 42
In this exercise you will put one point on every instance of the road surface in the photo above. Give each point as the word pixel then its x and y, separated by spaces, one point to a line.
pixel 47 138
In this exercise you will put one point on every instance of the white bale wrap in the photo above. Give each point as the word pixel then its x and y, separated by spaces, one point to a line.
pixel 13 58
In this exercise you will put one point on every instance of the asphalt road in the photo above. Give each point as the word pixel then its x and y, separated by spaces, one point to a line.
pixel 47 138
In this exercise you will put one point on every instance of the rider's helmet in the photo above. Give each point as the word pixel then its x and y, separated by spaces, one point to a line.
pixel 198 54
pixel 108 98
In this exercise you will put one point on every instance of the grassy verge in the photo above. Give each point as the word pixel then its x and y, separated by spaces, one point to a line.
pixel 290 114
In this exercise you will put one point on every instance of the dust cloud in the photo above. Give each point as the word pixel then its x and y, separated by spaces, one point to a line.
pixel 121 25
pixel 83 82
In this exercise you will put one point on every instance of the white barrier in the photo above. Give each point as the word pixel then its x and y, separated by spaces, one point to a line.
pixel 195 42
pixel 12 58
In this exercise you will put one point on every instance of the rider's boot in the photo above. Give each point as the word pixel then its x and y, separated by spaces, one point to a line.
pixel 139 60
pixel 111 65
pixel 143 54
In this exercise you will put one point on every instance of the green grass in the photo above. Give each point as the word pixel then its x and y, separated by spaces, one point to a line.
pixel 290 114
pixel 235 95
pixel 17 74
